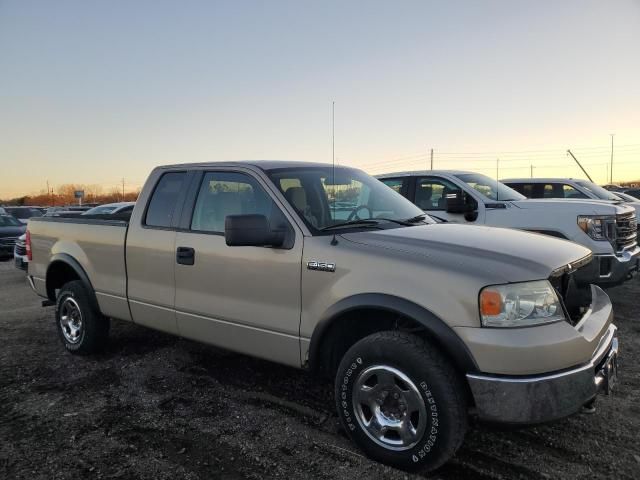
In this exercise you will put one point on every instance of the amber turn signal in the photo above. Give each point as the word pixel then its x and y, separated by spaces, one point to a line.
pixel 490 303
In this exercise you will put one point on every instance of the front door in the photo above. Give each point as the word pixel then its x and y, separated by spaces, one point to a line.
pixel 431 196
pixel 245 299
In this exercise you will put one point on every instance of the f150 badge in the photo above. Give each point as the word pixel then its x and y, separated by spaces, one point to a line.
pixel 322 266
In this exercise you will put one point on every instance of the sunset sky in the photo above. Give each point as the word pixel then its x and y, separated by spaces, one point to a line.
pixel 91 92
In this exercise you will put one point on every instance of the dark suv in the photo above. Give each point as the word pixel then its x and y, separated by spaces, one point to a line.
pixel 10 230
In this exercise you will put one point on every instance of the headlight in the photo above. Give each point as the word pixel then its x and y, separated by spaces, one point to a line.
pixel 597 227
pixel 520 305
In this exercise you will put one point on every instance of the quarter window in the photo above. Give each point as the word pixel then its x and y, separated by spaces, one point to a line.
pixel 162 205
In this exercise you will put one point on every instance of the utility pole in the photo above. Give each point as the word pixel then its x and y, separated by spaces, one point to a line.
pixel 532 170
pixel 432 159
pixel 123 189
pixel 497 179
pixel 581 167
pixel 606 172
pixel 611 164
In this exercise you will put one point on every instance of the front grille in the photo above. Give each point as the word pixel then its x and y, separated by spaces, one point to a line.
pixel 626 231
pixel 8 241
pixel 21 249
pixel 575 297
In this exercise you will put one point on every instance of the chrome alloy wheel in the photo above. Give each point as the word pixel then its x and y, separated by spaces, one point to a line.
pixel 71 320
pixel 389 407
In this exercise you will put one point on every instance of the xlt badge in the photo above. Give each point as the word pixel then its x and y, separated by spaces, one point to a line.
pixel 325 267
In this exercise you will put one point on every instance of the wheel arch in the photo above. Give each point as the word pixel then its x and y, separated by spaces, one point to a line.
pixel 64 268
pixel 398 313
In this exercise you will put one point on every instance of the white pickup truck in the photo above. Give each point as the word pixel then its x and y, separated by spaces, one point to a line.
pixel 609 230
pixel 570 188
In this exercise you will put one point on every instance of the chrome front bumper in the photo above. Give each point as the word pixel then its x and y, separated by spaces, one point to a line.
pixel 542 398
pixel 609 270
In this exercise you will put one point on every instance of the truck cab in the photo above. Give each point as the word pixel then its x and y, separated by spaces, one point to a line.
pixel 608 229
pixel 568 188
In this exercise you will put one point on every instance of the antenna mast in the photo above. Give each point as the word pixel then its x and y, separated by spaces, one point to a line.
pixel 334 240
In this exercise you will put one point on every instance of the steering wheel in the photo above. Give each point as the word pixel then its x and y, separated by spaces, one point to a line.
pixel 354 213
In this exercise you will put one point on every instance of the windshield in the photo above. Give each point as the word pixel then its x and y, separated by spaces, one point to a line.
pixel 7 221
pixel 100 210
pixel 626 198
pixel 24 213
pixel 489 187
pixel 353 196
pixel 598 191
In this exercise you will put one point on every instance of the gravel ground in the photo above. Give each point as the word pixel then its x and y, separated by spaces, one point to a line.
pixel 155 406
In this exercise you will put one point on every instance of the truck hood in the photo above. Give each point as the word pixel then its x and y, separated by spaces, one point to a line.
pixel 12 231
pixel 498 254
pixel 582 206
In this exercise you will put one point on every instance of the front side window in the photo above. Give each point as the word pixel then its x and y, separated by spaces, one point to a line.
pixel 489 188
pixel 7 221
pixel 228 193
pixel 164 200
pixel 431 193
pixel 569 191
pixel 324 200
pixel 597 190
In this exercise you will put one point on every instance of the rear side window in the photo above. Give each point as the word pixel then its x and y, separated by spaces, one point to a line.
pixel 525 189
pixel 164 200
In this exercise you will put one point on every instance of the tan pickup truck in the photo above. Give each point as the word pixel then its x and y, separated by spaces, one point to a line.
pixel 420 324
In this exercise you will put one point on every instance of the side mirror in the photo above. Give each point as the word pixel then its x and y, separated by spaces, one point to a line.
pixel 456 202
pixel 251 231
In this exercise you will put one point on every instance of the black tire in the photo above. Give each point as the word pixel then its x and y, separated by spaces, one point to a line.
pixel 439 386
pixel 93 332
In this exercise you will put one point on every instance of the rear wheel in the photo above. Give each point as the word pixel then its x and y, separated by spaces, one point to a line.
pixel 401 401
pixel 82 329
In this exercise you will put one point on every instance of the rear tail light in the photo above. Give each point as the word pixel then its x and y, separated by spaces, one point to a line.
pixel 28 245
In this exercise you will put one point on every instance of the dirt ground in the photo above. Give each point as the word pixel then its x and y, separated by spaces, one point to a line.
pixel 154 407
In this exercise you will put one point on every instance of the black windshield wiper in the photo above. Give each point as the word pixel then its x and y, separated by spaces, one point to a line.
pixel 369 222
pixel 417 218
pixel 406 223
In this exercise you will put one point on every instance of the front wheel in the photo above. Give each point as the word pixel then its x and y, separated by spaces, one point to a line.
pixel 401 401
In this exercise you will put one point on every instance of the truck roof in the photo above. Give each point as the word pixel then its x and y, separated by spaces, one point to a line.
pixel 265 165
pixel 543 179
pixel 422 172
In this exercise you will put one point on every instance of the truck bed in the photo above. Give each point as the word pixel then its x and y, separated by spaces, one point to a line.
pixel 97 244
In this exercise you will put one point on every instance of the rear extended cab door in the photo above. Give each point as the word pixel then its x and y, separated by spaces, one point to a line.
pixel 245 299
pixel 150 249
